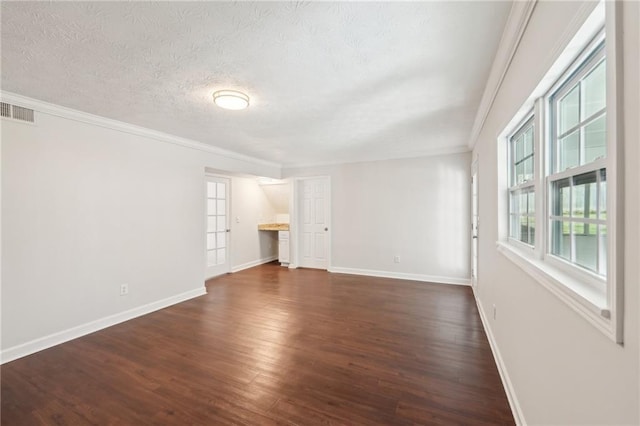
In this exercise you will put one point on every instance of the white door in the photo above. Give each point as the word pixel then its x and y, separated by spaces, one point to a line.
pixel 314 200
pixel 217 226
pixel 474 228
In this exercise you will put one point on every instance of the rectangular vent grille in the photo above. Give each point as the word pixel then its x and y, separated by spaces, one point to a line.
pixel 5 110
pixel 16 112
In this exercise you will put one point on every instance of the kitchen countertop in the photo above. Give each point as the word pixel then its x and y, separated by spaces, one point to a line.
pixel 273 227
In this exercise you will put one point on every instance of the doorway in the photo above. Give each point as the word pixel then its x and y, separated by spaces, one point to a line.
pixel 313 222
pixel 217 226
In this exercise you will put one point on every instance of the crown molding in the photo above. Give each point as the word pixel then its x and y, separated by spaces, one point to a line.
pixel 96 120
pixel 511 36
pixel 416 154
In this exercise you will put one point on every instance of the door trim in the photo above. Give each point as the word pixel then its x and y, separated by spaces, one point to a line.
pixel 475 208
pixel 229 221
pixel 294 247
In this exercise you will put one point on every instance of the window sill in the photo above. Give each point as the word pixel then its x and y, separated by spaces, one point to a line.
pixel 584 299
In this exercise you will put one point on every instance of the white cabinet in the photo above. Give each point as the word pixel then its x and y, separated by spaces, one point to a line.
pixel 283 248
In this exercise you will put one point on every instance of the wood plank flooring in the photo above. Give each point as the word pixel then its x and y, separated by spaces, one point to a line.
pixel 268 346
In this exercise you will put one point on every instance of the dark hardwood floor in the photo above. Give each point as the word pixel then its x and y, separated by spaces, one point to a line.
pixel 271 345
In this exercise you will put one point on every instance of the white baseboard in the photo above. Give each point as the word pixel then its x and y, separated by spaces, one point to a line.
pixel 54 339
pixel 401 276
pixel 254 263
pixel 502 369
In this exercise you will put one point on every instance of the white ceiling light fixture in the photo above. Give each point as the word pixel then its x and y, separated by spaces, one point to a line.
pixel 231 99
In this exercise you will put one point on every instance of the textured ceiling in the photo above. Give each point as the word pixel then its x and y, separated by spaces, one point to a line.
pixel 329 82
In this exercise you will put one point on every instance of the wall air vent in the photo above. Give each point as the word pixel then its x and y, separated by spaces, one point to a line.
pixel 16 112
pixel 5 110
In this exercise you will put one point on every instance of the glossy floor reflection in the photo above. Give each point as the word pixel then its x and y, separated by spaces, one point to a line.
pixel 271 345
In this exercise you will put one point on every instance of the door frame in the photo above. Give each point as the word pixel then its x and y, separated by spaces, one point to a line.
pixel 294 248
pixel 208 175
pixel 475 220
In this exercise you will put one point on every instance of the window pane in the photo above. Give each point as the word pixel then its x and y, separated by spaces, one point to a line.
pixel 211 223
pixel 522 203
pixel 560 197
pixel 603 194
pixel 532 230
pixel 602 261
pixel 519 173
pixel 560 239
pixel 524 231
pixel 585 195
pixel 514 217
pixel 569 151
pixel 222 207
pixel 595 136
pixel 569 110
pixel 519 145
pixel 221 190
pixel 513 201
pixel 531 203
pixel 514 227
pixel 211 241
pixel 222 223
pixel 211 207
pixel 594 87
pixel 528 141
pixel 211 189
pixel 528 169
pixel 221 239
pixel 586 246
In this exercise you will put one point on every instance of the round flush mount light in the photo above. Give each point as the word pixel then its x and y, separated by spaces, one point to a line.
pixel 231 99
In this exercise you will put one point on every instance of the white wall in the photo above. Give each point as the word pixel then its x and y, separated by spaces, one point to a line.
pixel 561 369
pixel 278 195
pixel 86 208
pixel 249 205
pixel 417 209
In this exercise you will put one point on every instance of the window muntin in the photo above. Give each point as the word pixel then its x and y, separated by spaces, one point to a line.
pixel 579 116
pixel 577 182
pixel 521 191
pixel 578 220
pixel 522 151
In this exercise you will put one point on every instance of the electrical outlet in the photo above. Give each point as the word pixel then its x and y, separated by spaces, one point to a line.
pixel 494 311
pixel 396 259
pixel 124 289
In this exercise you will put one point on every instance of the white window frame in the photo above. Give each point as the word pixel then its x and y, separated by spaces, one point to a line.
pixel 574 74
pixel 528 185
pixel 596 298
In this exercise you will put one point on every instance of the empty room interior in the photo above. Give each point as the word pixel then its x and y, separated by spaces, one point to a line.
pixel 300 213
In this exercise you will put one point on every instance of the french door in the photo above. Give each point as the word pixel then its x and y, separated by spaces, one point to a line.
pixel 217 248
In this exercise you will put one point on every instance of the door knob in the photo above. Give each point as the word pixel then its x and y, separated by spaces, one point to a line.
pixel 326 229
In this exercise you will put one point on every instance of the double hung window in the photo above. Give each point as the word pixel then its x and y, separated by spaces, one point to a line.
pixel 561 179
pixel 522 225
pixel 578 174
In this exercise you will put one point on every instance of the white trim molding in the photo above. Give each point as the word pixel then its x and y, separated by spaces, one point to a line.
pixel 511 36
pixel 55 339
pixel 253 263
pixel 401 156
pixel 401 276
pixel 516 410
pixel 96 120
